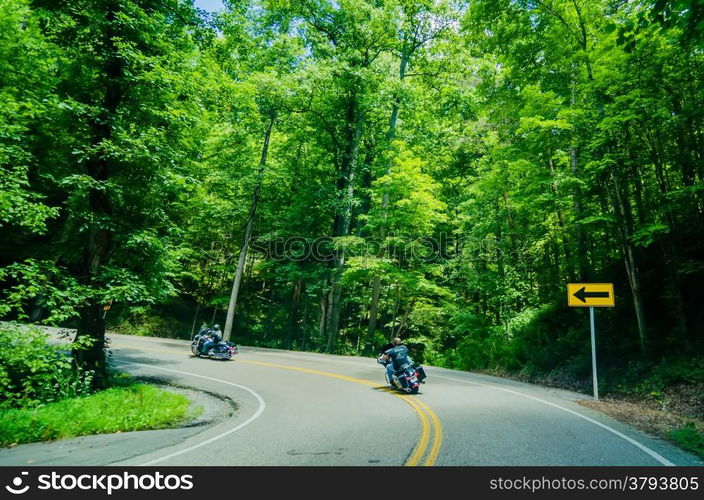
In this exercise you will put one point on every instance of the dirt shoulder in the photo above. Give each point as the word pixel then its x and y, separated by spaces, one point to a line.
pixel 676 415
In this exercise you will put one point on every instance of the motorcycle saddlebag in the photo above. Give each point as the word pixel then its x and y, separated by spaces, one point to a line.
pixel 421 371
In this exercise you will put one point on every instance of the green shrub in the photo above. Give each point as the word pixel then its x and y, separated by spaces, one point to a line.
pixel 118 409
pixel 472 344
pixel 33 372
pixel 689 438
pixel 651 378
pixel 143 321
pixel 673 371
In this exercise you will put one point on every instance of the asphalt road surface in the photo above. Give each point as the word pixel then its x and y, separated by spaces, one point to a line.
pixel 302 409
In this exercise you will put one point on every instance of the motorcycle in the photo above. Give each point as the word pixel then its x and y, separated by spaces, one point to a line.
pixel 221 350
pixel 407 379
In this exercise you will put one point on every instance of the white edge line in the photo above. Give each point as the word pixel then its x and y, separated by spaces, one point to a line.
pixel 650 452
pixel 262 406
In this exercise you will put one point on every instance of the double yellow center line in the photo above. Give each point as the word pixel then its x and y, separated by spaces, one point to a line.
pixel 425 413
pixel 431 429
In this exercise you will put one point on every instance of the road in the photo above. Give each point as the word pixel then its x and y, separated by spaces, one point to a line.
pixel 301 409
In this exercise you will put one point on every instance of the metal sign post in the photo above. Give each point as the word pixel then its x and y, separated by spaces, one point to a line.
pixel 591 295
pixel 595 384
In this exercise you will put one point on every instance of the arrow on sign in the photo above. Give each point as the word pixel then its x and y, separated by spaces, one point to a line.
pixel 583 295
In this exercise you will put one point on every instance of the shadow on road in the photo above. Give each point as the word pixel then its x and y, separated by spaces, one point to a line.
pixel 386 388
pixel 140 357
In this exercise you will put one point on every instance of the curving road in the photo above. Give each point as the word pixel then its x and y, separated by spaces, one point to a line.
pixel 300 409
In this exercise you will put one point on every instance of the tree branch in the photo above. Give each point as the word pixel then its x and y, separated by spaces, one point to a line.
pixel 560 18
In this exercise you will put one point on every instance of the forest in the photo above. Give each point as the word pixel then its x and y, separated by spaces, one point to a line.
pixel 335 173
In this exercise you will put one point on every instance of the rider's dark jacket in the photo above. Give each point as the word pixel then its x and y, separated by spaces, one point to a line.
pixel 399 356
pixel 386 348
pixel 216 334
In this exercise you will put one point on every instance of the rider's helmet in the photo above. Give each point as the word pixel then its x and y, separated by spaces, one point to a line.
pixel 397 341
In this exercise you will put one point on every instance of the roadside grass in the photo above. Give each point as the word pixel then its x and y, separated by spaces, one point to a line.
pixel 129 407
pixel 686 432
pixel 666 401
pixel 689 438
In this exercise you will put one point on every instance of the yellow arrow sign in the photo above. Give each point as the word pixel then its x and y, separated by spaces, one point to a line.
pixel 590 295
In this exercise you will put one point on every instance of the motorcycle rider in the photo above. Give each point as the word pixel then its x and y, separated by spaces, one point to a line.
pixel 215 338
pixel 396 357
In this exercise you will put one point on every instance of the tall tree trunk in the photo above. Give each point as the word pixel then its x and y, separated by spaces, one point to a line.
pixel 270 312
pixel 402 325
pixel 512 254
pixel 248 231
pixel 304 325
pixel 376 285
pixel 582 263
pixel 334 304
pixel 561 222
pixel 343 219
pixel 397 308
pixel 215 313
pixel 625 231
pixel 195 319
pixel 92 319
pixel 670 244
pixel 374 306
pixel 293 313
pixel 323 314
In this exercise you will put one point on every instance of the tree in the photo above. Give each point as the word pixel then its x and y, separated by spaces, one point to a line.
pixel 26 81
pixel 129 109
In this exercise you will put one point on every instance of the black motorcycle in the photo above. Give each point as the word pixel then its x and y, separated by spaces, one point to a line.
pixel 407 379
pixel 221 350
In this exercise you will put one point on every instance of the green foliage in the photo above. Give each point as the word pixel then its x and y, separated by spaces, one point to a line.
pixel 119 409
pixel 650 378
pixel 34 372
pixel 413 206
pixel 444 172
pixel 689 438
pixel 42 281
pixel 148 322
pixel 26 76
pixel 673 371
